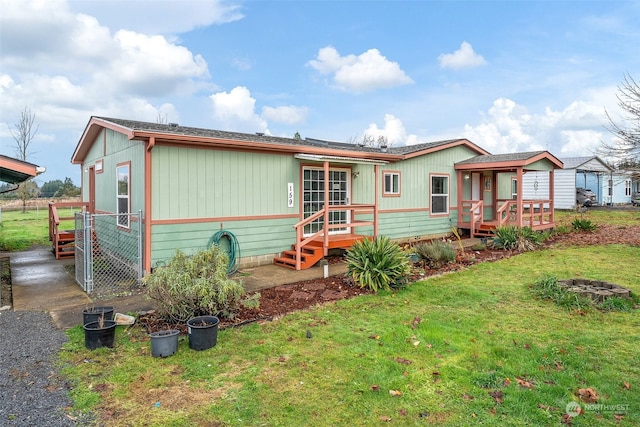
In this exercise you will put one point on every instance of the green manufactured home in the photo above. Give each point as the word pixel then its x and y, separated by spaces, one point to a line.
pixel 270 192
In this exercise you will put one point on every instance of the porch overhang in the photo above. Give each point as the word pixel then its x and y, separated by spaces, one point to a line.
pixel 14 171
pixel 338 159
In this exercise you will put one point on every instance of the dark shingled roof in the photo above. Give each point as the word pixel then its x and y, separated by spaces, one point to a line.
pixel 507 157
pixel 266 139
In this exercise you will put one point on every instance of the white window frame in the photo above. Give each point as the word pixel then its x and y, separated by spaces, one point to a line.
pixel 123 173
pixel 627 187
pixel 391 187
pixel 433 195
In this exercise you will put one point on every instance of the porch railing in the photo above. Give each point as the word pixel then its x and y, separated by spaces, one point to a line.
pixel 354 209
pixel 534 213
pixel 55 219
pixel 473 210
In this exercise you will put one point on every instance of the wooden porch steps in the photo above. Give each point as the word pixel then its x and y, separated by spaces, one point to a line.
pixel 313 252
pixel 485 229
pixel 64 245
pixel 309 255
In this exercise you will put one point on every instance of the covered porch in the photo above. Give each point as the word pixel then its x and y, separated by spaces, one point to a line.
pixel 490 192
pixel 347 216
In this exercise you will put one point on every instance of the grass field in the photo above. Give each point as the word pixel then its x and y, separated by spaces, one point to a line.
pixel 468 348
pixel 20 231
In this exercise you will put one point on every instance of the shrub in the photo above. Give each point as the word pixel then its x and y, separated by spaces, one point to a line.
pixel 436 252
pixel 377 264
pixel 522 239
pixel 581 224
pixel 195 285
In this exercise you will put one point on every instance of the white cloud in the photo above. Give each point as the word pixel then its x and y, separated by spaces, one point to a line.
pixel 363 73
pixel 235 111
pixel 160 16
pixel 290 114
pixel 508 127
pixel 464 57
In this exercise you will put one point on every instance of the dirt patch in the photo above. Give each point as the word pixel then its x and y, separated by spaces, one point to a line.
pixel 6 296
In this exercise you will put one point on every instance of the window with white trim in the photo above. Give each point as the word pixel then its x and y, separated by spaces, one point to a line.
pixel 391 184
pixel 123 195
pixel 627 187
pixel 439 194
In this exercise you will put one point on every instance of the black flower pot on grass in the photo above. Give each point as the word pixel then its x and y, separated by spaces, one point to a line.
pixel 203 332
pixel 99 334
pixel 164 343
pixel 94 314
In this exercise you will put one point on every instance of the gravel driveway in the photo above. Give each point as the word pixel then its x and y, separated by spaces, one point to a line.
pixel 31 392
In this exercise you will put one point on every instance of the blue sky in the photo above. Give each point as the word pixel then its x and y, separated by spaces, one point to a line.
pixel 508 75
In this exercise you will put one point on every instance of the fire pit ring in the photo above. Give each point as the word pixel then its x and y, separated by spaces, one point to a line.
pixel 597 290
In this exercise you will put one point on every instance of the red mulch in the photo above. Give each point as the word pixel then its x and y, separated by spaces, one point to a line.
pixel 278 301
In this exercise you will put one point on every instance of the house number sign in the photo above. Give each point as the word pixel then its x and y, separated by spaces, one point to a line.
pixel 290 195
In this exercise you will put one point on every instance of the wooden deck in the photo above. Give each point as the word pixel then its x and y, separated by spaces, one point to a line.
pixel 313 251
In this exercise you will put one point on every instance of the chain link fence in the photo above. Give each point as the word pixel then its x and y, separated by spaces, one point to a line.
pixel 108 256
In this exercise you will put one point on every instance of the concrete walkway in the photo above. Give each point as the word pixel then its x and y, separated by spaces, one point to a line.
pixel 42 283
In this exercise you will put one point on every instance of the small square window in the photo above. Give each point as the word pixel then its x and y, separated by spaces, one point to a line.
pixel 391 184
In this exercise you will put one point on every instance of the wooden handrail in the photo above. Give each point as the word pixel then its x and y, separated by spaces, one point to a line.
pixel 55 218
pixel 299 226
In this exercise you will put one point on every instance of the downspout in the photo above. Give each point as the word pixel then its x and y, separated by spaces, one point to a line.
pixel 376 189
pixel 459 199
pixel 147 205
pixel 552 195
pixel 325 244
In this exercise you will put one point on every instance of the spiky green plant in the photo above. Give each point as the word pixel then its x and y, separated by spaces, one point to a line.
pixel 581 224
pixel 377 264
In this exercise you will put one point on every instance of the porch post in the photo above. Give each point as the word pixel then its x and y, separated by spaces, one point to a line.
pixel 325 238
pixel 519 206
pixel 459 190
pixel 375 200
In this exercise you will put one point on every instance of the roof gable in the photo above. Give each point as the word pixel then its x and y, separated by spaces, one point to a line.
pixel 508 160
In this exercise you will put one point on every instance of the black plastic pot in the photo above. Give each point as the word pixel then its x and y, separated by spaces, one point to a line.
pixel 93 314
pixel 164 343
pixel 203 332
pixel 97 335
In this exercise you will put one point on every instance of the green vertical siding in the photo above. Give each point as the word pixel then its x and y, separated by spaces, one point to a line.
pixel 189 183
pixel 118 150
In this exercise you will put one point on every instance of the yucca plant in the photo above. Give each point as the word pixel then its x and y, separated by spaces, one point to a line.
pixel 506 237
pixel 581 224
pixel 377 264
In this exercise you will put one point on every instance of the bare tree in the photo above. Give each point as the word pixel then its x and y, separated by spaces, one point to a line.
pixel 626 145
pixel 23 133
pixel 370 141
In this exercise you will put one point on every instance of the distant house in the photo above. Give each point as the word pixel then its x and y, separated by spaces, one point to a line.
pixel 578 172
pixel 289 200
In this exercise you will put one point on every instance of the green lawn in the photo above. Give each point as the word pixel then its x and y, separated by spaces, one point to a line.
pixel 469 348
pixel 20 231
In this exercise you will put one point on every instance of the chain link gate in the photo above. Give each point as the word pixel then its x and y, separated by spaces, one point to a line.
pixel 108 257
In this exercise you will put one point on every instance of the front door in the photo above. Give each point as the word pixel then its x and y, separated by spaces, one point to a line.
pixel 313 183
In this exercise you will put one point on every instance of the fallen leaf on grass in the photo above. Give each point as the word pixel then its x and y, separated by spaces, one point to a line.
pixel 618 417
pixel 467 396
pixel 547 408
pixel 375 387
pixel 588 395
pixel 385 418
pixel 395 393
pixel 497 396
pixel 626 385
pixel 374 337
pixel 524 383
pixel 416 321
pixel 403 361
pixel 403 412
pixel 506 382
pixel 567 419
